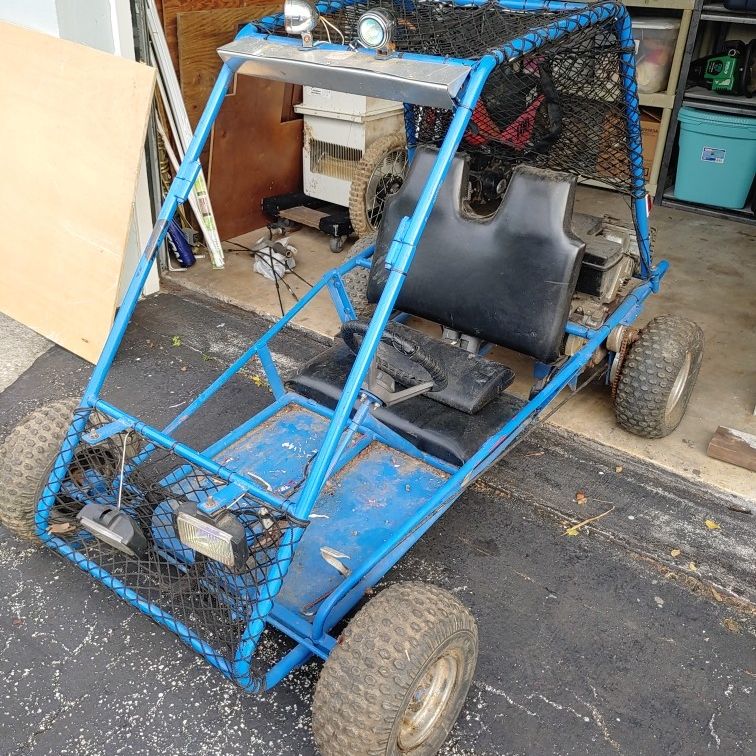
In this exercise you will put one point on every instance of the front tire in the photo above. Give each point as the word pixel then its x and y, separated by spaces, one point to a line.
pixel 26 458
pixel 397 680
pixel 658 376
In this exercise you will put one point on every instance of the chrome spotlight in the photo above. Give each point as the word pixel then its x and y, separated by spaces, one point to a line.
pixel 375 29
pixel 300 17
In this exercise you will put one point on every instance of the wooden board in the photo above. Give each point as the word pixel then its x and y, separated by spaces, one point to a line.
pixel 171 9
pixel 256 151
pixel 305 216
pixel 200 34
pixel 734 446
pixel 72 133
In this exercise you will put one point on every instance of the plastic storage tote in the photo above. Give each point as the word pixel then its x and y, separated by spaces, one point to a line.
pixel 655 40
pixel 717 161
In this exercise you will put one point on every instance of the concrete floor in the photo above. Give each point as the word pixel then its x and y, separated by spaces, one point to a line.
pixel 712 280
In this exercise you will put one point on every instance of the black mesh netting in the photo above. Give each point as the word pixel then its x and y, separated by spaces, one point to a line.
pixel 211 601
pixel 561 107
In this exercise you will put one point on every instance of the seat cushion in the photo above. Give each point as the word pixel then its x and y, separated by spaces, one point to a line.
pixel 508 278
pixel 447 433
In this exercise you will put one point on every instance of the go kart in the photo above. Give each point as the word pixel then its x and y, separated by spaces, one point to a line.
pixel 282 527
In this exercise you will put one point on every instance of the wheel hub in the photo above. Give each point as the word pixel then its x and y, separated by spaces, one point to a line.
pixel 678 386
pixel 428 702
pixel 386 180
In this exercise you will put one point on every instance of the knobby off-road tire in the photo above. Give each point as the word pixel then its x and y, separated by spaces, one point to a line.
pixel 26 458
pixel 397 680
pixel 658 376
pixel 364 216
pixel 356 281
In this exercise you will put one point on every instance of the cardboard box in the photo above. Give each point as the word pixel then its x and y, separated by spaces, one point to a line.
pixel 650 124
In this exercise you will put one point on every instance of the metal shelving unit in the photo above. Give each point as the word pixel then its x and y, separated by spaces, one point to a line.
pixel 665 100
pixel 703 99
pixel 717 12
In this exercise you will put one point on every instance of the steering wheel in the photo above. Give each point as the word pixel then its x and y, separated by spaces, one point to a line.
pixel 353 331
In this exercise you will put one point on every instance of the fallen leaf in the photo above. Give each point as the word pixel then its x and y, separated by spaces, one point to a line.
pixel 618 469
pixel 731 625
pixel 17 621
pixel 573 531
pixel 692 567
pixel 176 341
pixel 711 524
pixel 675 552
pixel 581 498
pixel 183 369
pixel 257 380
pixel 717 595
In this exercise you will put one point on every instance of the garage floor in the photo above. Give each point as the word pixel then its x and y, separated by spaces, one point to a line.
pixel 712 280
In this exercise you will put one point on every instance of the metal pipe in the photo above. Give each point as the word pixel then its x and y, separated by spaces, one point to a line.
pixel 403 248
pixel 190 455
pixel 316 478
pixel 485 456
pixel 624 30
pixel 243 359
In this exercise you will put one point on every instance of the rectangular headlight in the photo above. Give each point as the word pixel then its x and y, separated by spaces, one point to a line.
pixel 115 527
pixel 225 543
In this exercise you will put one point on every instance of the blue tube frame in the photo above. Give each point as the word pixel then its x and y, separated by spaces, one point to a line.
pixel 350 415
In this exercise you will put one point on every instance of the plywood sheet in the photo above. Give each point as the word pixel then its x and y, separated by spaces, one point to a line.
pixel 200 34
pixel 72 133
pixel 171 9
pixel 255 152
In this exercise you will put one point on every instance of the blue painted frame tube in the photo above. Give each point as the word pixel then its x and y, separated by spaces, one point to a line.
pixel 180 188
pixel 624 30
pixel 491 450
pixel 190 455
pixel 399 258
pixel 401 251
pixel 263 341
pixel 587 16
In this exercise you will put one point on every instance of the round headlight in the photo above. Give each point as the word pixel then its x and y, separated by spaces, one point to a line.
pixel 375 29
pixel 300 16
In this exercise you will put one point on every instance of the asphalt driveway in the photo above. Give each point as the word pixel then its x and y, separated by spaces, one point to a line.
pixel 602 643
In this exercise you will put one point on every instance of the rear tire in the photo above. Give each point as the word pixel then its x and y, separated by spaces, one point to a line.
pixel 26 458
pixel 356 281
pixel 398 678
pixel 658 376
pixel 379 174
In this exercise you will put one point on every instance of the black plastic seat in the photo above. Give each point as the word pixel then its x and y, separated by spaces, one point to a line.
pixel 508 278
pixel 447 433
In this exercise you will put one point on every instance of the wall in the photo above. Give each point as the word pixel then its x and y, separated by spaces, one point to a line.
pixel 34 14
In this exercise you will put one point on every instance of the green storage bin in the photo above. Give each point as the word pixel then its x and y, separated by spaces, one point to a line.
pixel 717 161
